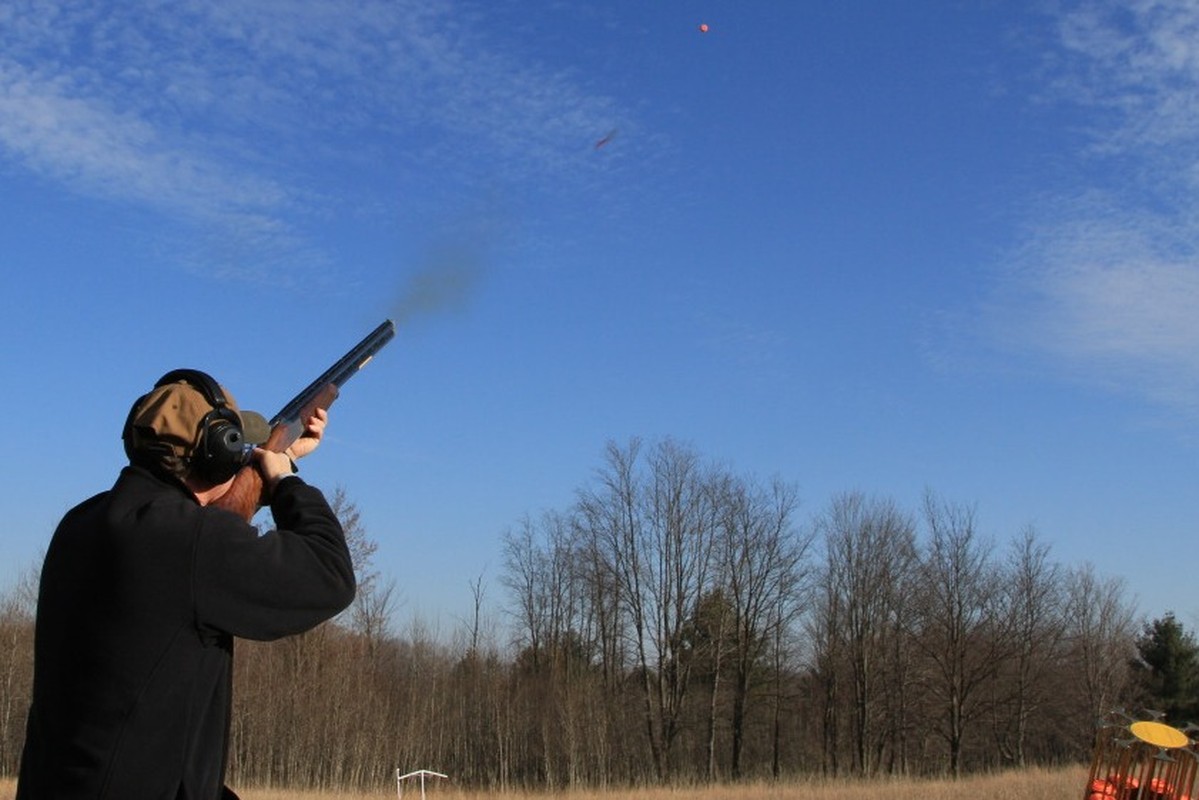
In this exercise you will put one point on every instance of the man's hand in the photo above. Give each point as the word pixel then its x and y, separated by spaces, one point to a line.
pixel 314 429
pixel 275 466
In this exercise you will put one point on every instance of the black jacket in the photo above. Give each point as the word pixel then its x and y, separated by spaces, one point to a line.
pixel 142 592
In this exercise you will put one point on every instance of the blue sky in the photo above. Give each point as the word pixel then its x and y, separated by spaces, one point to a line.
pixel 871 246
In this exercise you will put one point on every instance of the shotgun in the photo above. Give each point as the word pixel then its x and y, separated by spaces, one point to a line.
pixel 244 497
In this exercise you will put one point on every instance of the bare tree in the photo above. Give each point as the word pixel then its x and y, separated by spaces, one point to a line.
pixel 870 551
pixel 372 611
pixel 961 627
pixel 362 548
pixel 764 571
pixel 711 642
pixel 1100 630
pixel 827 660
pixel 1036 605
pixel 477 592
pixel 525 578
pixel 17 608
pixel 374 603
pixel 656 532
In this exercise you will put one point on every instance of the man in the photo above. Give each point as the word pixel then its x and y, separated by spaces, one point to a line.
pixel 144 587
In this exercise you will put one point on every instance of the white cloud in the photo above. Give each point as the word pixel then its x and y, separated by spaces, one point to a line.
pixel 1139 60
pixel 247 114
pixel 1106 284
pixel 83 142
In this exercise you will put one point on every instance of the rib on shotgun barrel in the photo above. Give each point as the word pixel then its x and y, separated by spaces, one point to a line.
pixel 244 496
pixel 288 424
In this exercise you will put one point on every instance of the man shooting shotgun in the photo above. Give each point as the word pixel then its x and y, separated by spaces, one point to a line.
pixel 144 587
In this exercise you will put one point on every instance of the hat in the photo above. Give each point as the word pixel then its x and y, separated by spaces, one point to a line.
pixel 172 414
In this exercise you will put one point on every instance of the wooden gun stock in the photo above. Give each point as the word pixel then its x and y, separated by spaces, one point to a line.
pixel 244 497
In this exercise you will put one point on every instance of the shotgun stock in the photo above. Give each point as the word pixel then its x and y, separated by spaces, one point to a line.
pixel 244 497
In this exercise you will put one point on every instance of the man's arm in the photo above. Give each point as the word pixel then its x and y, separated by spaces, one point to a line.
pixel 280 583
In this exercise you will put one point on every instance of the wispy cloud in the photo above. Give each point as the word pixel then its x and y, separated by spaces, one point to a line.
pixel 87 143
pixel 1106 284
pixel 241 115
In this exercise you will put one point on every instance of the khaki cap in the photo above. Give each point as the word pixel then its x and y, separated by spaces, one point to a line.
pixel 171 415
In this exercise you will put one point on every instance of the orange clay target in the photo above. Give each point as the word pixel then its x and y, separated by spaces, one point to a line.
pixel 1158 734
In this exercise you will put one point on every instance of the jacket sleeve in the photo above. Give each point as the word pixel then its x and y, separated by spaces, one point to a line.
pixel 283 582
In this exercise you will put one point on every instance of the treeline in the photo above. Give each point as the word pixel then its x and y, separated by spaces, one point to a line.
pixel 679 622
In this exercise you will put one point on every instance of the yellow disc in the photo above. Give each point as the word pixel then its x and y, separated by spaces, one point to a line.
pixel 1158 734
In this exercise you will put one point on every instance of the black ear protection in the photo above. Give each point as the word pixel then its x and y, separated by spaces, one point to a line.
pixel 221 449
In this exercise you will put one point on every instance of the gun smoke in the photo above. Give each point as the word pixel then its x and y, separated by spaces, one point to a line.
pixel 445 284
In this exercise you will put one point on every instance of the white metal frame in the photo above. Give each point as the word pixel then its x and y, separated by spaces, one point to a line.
pixel 420 773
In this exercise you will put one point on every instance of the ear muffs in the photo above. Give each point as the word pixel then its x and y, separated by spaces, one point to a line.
pixel 220 447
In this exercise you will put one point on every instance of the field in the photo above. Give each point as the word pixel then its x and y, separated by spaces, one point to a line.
pixel 1035 784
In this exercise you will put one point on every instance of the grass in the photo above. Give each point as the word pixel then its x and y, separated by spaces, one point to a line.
pixel 1031 784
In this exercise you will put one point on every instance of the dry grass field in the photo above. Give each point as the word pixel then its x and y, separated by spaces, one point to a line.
pixel 1035 784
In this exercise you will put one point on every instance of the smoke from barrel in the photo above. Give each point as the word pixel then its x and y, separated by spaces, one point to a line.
pixel 445 284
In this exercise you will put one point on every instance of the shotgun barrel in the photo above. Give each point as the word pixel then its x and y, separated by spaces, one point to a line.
pixel 291 414
pixel 245 495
